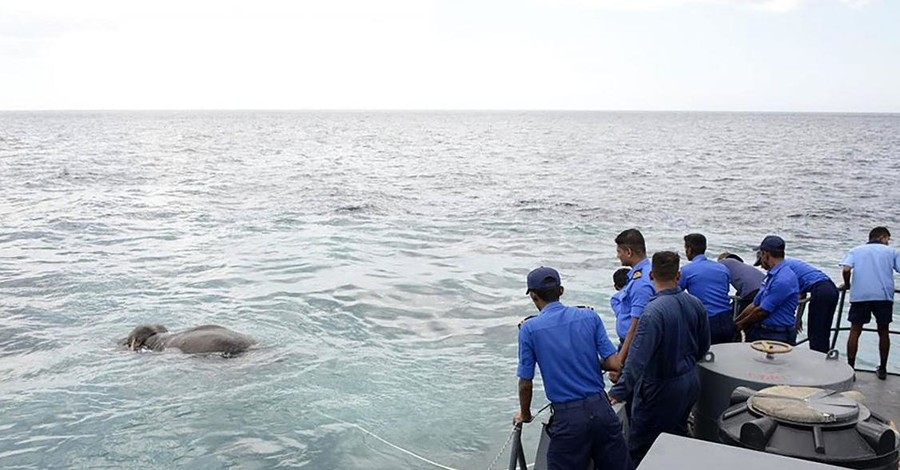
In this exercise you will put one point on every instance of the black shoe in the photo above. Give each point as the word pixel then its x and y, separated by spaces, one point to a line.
pixel 881 373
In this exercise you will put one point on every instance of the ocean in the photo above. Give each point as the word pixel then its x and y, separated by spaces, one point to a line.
pixel 378 257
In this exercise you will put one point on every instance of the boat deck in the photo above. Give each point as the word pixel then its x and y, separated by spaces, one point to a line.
pixel 882 396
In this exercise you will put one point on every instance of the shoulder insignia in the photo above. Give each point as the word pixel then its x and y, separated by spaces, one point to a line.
pixel 637 274
pixel 526 319
pixel 585 306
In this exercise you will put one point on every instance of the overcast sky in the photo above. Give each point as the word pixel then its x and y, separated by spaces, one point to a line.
pixel 764 55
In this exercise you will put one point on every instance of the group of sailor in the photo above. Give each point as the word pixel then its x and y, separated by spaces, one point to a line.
pixel 667 316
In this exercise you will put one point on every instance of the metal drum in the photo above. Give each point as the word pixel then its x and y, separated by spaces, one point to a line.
pixel 759 365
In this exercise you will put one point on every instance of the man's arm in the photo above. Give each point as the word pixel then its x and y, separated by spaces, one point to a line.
pixel 845 273
pixel 646 341
pixel 526 387
pixel 801 308
pixel 750 316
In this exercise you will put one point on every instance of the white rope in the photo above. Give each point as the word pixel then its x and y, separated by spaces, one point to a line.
pixel 395 446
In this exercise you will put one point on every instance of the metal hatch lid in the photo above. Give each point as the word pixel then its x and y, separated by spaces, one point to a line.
pixel 797 366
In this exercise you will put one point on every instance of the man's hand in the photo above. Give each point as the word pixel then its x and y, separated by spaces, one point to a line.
pixel 519 418
pixel 613 400
pixel 613 376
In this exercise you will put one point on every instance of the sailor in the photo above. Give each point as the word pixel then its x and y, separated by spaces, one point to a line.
pixel 661 372
pixel 771 315
pixel 870 268
pixel 821 306
pixel 632 251
pixel 709 281
pixel 745 278
pixel 570 345
pixel 623 318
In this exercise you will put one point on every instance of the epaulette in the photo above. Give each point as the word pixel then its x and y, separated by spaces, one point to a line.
pixel 526 319
pixel 637 274
pixel 585 306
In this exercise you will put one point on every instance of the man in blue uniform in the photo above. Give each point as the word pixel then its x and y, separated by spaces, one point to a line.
pixel 632 251
pixel 871 268
pixel 623 318
pixel 708 281
pixel 745 278
pixel 821 306
pixel 772 313
pixel 570 345
pixel 661 372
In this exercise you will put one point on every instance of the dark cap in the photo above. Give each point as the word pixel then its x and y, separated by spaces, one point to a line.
pixel 543 278
pixel 770 243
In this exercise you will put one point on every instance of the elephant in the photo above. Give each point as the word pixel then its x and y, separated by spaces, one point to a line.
pixel 198 340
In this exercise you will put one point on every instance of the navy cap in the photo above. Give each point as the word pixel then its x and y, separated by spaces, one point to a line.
pixel 543 278
pixel 770 243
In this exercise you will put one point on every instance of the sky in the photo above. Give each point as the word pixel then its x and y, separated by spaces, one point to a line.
pixel 703 55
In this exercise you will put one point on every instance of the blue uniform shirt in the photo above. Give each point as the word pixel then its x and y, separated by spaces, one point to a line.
pixel 623 318
pixel 807 275
pixel 672 336
pixel 872 277
pixel 565 342
pixel 637 292
pixel 708 281
pixel 779 295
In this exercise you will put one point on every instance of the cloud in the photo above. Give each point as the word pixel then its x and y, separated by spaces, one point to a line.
pixel 767 5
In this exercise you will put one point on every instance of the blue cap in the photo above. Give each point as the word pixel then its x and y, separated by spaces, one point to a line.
pixel 542 278
pixel 771 243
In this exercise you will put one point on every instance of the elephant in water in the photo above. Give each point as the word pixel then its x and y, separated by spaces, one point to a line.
pixel 198 340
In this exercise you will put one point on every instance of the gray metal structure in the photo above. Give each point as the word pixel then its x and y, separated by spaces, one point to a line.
pixel 673 452
pixel 732 365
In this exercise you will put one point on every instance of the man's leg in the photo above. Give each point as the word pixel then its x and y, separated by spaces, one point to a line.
pixel 853 343
pixel 884 344
pixel 821 314
pixel 609 450
pixel 570 440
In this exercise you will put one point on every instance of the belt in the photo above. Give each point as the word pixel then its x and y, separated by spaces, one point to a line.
pixel 780 329
pixel 578 403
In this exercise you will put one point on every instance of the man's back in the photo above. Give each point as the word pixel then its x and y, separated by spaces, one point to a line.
pixel 744 278
pixel 678 322
pixel 708 281
pixel 873 266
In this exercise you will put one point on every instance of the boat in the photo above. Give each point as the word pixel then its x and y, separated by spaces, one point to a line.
pixel 712 444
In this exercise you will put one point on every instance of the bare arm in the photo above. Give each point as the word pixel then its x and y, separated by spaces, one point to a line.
pixel 846 274
pixel 525 391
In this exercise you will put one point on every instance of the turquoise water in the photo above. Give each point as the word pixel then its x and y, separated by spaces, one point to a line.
pixel 378 257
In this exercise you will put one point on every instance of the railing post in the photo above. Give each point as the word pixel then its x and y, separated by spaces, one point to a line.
pixel 837 323
pixel 517 454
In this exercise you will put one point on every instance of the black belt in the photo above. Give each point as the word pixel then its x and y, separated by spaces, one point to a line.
pixel 780 329
pixel 578 403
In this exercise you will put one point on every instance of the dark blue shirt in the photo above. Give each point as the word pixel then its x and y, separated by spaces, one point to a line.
pixel 565 342
pixel 636 293
pixel 708 281
pixel 671 337
pixel 779 295
pixel 807 275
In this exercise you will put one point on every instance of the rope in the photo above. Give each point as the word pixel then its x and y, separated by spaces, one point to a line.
pixel 390 444
pixel 419 457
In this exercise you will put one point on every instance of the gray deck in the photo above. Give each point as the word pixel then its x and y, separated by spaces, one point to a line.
pixel 882 396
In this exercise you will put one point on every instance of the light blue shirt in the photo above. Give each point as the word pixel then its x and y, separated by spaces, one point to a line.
pixel 567 343
pixel 872 277
pixel 807 275
pixel 709 282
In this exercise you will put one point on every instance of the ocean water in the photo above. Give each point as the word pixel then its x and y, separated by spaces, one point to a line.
pixel 379 258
